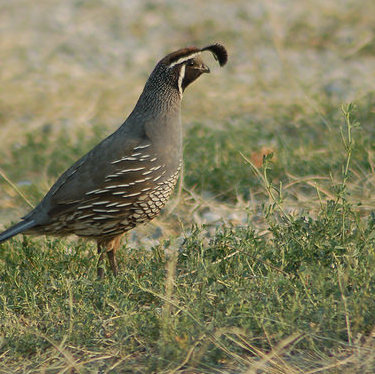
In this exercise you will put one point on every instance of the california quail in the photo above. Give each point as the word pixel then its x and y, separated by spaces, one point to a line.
pixel 127 178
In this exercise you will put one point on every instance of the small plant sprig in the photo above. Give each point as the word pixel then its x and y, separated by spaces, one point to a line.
pixel 15 188
pixel 274 193
pixel 348 142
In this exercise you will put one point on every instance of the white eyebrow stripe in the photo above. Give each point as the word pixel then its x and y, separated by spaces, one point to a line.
pixel 183 59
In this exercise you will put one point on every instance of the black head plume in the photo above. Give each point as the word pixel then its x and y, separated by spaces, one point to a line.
pixel 219 52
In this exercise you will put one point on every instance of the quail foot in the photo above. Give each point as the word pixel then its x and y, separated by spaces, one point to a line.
pixel 127 178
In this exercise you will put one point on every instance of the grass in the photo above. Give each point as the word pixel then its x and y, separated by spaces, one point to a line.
pixel 224 300
pixel 264 262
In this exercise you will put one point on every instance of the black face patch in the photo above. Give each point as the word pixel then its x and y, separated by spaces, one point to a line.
pixel 190 76
pixel 194 68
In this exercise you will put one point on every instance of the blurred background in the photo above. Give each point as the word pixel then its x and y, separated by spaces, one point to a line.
pixel 71 71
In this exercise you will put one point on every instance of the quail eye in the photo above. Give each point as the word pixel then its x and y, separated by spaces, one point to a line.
pixel 190 63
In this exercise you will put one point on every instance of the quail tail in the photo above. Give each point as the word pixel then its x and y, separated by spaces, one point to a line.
pixel 16 229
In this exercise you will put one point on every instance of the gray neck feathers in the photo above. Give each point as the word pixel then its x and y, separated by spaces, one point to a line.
pixel 160 96
pixel 157 114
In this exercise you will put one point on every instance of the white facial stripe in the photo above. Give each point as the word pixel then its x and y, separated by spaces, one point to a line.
pixel 181 78
pixel 183 59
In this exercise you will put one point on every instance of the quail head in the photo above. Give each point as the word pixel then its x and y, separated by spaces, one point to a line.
pixel 127 178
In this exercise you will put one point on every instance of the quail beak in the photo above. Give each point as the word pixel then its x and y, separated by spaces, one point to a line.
pixel 204 68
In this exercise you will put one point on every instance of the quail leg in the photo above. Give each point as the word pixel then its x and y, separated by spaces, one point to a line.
pixel 100 270
pixel 110 247
pixel 114 245
pixel 113 262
